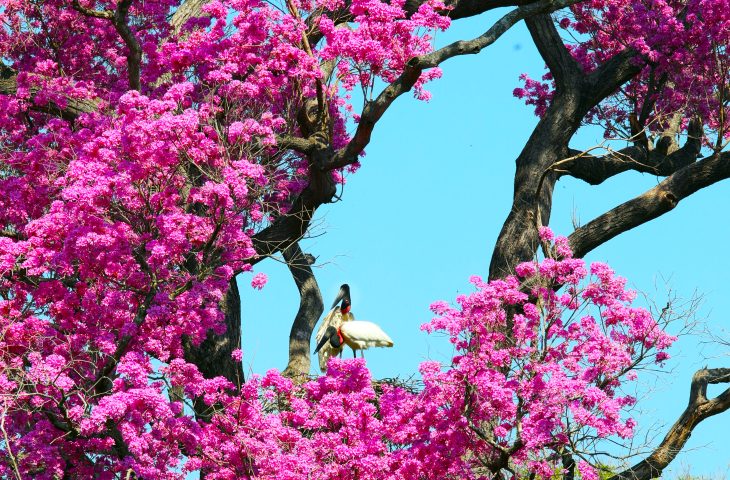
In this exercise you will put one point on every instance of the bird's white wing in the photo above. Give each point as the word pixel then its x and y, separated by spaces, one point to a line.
pixel 333 319
pixel 365 334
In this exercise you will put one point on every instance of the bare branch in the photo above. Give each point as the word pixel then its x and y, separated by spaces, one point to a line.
pixel 298 144
pixel 698 409
pixel 651 204
pixel 597 169
pixel 311 307
pixel 90 12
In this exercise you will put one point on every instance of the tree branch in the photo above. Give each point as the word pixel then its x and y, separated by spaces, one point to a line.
pixel 471 8
pixel 651 204
pixel 134 57
pixel 187 10
pixel 291 227
pixel 455 10
pixel 213 356
pixel 90 12
pixel 73 108
pixel 565 69
pixel 375 109
pixel 311 307
pixel 661 161
pixel 698 409
pixel 616 71
pixel 118 18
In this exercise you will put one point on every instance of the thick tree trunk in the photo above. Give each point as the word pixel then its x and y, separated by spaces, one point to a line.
pixel 213 356
pixel 534 182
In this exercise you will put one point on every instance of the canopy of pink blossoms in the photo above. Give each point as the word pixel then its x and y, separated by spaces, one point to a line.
pixel 138 159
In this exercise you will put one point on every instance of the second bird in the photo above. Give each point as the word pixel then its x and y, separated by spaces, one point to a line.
pixel 339 328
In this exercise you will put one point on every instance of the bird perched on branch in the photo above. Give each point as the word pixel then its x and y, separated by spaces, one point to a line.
pixel 339 328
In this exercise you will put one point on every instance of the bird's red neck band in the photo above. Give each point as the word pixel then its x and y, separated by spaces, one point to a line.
pixel 339 334
pixel 345 309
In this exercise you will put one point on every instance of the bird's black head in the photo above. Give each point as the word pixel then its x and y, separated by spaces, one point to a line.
pixel 344 297
pixel 330 335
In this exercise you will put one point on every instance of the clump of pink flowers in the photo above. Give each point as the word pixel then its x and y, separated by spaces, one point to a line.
pixel 540 360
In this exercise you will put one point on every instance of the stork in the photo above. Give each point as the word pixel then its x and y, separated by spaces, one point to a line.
pixel 339 328
pixel 334 318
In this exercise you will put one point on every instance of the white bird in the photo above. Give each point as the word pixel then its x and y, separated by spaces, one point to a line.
pixel 334 319
pixel 357 334
pixel 361 335
pixel 339 328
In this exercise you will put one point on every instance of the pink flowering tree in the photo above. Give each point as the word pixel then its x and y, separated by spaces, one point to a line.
pixel 151 151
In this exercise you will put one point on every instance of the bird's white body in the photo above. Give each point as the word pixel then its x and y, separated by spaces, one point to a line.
pixel 360 335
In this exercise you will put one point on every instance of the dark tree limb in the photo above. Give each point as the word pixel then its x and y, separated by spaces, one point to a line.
pixel 597 169
pixel 134 56
pixel 375 109
pixel 566 71
pixel 455 10
pixel 470 8
pixel 118 18
pixel 311 307
pixel 608 77
pixel 698 409
pixel 535 176
pixel 288 229
pixel 651 204
pixel 213 356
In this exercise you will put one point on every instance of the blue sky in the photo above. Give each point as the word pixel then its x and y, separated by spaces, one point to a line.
pixel 424 212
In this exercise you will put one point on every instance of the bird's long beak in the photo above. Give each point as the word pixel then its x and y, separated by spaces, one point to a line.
pixel 343 294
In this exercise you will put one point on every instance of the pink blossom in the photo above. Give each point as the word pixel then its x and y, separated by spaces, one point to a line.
pixel 259 280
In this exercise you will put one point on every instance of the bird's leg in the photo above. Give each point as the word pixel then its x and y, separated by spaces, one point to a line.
pixel 354 353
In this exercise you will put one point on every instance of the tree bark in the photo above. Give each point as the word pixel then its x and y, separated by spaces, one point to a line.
pixel 311 307
pixel 213 356
pixel 575 94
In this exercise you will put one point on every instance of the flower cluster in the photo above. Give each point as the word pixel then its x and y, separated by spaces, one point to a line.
pixel 138 159
pixel 125 212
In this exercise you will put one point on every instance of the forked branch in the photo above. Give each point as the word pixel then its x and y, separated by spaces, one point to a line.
pixel 661 161
pixel 375 109
pixel 118 18
pixel 698 409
